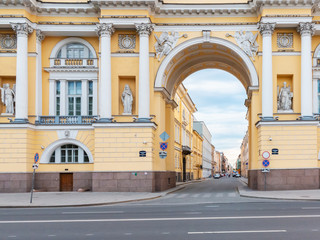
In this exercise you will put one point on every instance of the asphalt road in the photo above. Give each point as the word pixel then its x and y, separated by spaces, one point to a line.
pixel 211 209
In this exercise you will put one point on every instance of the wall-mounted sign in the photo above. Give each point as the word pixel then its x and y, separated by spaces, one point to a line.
pixel 142 154
pixel 265 155
pixel 163 154
pixel 275 151
pixel 163 146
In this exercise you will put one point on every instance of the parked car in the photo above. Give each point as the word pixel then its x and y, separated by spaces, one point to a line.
pixel 238 175
pixel 216 176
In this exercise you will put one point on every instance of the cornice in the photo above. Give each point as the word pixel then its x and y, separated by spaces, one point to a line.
pixel 156 7
pixel 68 69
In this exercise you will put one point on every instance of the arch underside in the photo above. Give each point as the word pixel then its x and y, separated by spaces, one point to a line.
pixel 203 55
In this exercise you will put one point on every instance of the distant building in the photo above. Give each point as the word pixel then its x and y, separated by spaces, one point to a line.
pixel 197 155
pixel 204 132
pixel 245 156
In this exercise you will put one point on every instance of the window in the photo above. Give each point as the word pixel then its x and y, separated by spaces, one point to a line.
pixel 58 98
pixel 69 153
pixel 318 96
pixel 177 133
pixel 74 51
pixel 90 98
pixel 74 98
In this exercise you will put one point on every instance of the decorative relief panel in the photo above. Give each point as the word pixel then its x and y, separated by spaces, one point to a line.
pixel 285 40
pixel 8 41
pixel 127 41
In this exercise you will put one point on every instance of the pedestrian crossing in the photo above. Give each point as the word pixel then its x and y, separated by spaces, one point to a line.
pixel 203 195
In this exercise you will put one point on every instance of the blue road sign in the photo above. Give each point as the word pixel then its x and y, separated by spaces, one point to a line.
pixel 266 163
pixel 36 157
pixel 164 136
pixel 163 145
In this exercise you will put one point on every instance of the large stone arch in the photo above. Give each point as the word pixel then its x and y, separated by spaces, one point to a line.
pixel 196 54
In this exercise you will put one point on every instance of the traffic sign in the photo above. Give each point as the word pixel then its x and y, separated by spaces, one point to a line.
pixel 265 155
pixel 35 166
pixel 265 170
pixel 163 146
pixel 163 154
pixel 36 157
pixel 266 163
pixel 164 136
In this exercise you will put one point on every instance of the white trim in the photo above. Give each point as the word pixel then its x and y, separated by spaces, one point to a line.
pixel 160 81
pixel 65 41
pixel 212 28
pixel 125 22
pixel 124 125
pixel 286 21
pixel 45 157
pixel 45 127
pixel 130 54
pixel 288 123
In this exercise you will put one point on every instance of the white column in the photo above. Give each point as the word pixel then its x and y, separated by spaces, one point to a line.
pixel 105 105
pixel 40 38
pixel 144 31
pixel 306 31
pixel 52 91
pixel 266 30
pixel 95 99
pixel 315 101
pixel 22 30
pixel 63 97
pixel 84 98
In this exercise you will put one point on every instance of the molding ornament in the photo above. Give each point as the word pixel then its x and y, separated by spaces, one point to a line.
pixel 144 29
pixel 8 41
pixel 40 35
pixel 105 29
pixel 266 28
pixel 127 41
pixel 166 42
pixel 285 40
pixel 306 28
pixel 247 42
pixel 22 29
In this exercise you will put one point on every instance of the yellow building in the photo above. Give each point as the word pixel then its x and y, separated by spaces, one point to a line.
pixel 90 87
pixel 183 116
pixel 197 155
pixel 244 156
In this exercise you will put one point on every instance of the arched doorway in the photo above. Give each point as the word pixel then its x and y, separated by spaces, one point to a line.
pixel 199 53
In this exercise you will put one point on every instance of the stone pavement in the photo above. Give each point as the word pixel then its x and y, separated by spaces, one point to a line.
pixel 244 191
pixel 72 199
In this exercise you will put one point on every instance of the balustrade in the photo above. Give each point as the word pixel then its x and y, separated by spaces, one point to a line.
pixel 65 120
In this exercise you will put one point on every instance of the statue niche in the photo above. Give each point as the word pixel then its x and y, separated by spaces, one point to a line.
pixel 127 100
pixel 285 99
pixel 8 97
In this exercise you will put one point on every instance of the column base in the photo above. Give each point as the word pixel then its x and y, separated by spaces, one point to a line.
pixel 21 120
pixel 306 118
pixel 104 120
pixel 143 120
pixel 268 119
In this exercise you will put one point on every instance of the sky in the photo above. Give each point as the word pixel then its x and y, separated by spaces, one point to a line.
pixel 219 98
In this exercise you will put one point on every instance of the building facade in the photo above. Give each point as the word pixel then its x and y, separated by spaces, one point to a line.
pixel 204 132
pixel 90 87
pixel 244 156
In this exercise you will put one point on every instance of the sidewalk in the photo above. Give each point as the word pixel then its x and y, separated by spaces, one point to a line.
pixel 244 191
pixel 78 199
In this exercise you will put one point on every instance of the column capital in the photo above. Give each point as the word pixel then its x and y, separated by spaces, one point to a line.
pixel 40 35
pixel 266 28
pixel 144 29
pixel 306 28
pixel 22 29
pixel 105 29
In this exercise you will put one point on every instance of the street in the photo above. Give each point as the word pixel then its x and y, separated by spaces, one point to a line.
pixel 211 209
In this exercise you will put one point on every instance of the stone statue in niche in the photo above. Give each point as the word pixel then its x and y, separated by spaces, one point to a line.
pixel 127 100
pixel 285 98
pixel 247 42
pixel 166 42
pixel 8 96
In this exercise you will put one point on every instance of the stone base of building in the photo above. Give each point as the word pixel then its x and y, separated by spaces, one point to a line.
pixel 89 181
pixel 284 179
pixel 15 182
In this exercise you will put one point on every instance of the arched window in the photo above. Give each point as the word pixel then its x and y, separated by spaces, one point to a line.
pixel 74 51
pixel 69 153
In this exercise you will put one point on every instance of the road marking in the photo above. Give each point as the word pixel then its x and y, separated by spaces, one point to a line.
pixel 195 195
pixel 165 233
pixel 219 195
pixel 305 208
pixel 213 206
pixel 207 195
pixel 159 219
pixel 182 195
pixel 193 213
pixel 89 234
pixel 52 235
pixel 128 234
pixel 92 212
pixel 315 230
pixel 250 231
pixel 231 194
pixel 12 236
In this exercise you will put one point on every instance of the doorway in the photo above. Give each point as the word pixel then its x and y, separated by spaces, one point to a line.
pixel 66 182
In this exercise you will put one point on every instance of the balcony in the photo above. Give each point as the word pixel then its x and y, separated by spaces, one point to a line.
pixel 186 150
pixel 66 120
pixel 71 63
